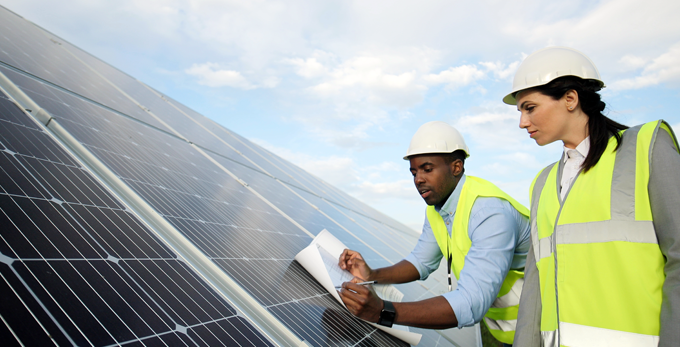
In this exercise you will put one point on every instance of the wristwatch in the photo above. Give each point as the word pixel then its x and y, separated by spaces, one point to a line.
pixel 387 314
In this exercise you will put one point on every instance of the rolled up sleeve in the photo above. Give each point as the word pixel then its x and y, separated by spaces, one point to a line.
pixel 493 229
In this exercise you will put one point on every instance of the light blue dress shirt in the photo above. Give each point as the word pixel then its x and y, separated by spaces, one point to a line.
pixel 500 241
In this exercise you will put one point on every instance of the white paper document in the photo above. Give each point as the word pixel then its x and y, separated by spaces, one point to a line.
pixel 320 259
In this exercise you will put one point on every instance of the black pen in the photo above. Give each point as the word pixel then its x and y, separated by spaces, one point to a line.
pixel 361 283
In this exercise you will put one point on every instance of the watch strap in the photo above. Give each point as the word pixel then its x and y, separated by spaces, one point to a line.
pixel 387 314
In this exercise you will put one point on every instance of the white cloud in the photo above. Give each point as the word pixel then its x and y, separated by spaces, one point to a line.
pixel 632 62
pixel 490 129
pixel 209 74
pixel 309 67
pixel 389 80
pixel 665 68
pixel 501 70
pixel 458 76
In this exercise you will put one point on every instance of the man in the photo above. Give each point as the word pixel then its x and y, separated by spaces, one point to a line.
pixel 484 233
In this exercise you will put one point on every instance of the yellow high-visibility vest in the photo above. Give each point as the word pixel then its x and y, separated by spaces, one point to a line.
pixel 599 262
pixel 501 319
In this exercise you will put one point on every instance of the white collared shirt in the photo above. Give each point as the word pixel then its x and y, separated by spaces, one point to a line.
pixel 573 160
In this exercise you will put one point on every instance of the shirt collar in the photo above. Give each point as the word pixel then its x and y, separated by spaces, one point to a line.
pixel 583 148
pixel 452 202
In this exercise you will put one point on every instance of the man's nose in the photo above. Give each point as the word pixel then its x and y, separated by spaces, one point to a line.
pixel 418 179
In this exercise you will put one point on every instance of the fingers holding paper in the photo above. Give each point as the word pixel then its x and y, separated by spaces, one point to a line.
pixel 361 300
pixel 353 262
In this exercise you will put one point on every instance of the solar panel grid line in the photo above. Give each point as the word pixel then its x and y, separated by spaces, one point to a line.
pixel 28 309
pixel 23 99
pixel 46 259
pixel 59 204
pixel 337 223
pixel 196 147
pixel 9 328
pixel 251 161
pixel 387 242
pixel 54 320
pixel 77 78
pixel 278 180
pixel 305 320
pixel 195 257
pixel 206 129
pixel 161 96
pixel 240 163
pixel 249 147
pixel 305 187
pixel 384 232
pixel 276 208
pixel 27 100
pixel 55 123
pixel 178 134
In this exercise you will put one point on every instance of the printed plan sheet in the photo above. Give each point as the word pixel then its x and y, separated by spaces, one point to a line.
pixel 320 259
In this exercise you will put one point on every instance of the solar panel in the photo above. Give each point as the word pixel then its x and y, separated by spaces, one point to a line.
pixel 79 268
pixel 195 246
pixel 237 230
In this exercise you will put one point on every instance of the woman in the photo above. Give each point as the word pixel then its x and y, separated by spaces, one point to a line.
pixel 604 268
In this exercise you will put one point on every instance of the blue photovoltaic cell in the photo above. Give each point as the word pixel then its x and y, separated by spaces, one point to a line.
pixel 78 268
pixel 29 48
pixel 242 234
pixel 109 251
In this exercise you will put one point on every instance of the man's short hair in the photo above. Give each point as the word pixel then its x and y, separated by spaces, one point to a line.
pixel 451 157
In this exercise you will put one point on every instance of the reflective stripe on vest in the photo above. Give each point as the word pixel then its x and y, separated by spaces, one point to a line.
pixel 501 318
pixel 599 263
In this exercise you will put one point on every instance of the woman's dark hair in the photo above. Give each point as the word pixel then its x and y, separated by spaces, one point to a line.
pixel 600 128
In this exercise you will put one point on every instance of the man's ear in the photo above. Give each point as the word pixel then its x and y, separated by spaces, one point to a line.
pixel 457 167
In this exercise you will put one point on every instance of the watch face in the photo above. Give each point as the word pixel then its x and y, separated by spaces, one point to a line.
pixel 387 318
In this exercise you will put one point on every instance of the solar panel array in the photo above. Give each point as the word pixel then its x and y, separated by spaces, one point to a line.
pixel 130 219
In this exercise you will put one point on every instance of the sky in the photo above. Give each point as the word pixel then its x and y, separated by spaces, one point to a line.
pixel 340 87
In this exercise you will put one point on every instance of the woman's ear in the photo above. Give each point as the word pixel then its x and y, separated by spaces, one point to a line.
pixel 571 100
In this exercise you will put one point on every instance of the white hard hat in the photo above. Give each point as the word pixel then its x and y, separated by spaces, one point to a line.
pixel 549 63
pixel 436 137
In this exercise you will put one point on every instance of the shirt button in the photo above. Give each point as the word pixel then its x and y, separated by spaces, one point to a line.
pixel 447 223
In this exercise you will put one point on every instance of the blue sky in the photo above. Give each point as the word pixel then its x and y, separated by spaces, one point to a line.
pixel 339 87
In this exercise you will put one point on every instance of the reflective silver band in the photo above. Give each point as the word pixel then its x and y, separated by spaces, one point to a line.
pixel 623 177
pixel 502 325
pixel 550 338
pixel 545 248
pixel 535 197
pixel 512 297
pixel 587 336
pixel 607 231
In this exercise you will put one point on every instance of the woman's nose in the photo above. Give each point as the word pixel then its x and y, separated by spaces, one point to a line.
pixel 524 121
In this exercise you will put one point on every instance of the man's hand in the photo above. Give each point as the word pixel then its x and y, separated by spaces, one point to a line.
pixel 361 300
pixel 354 263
